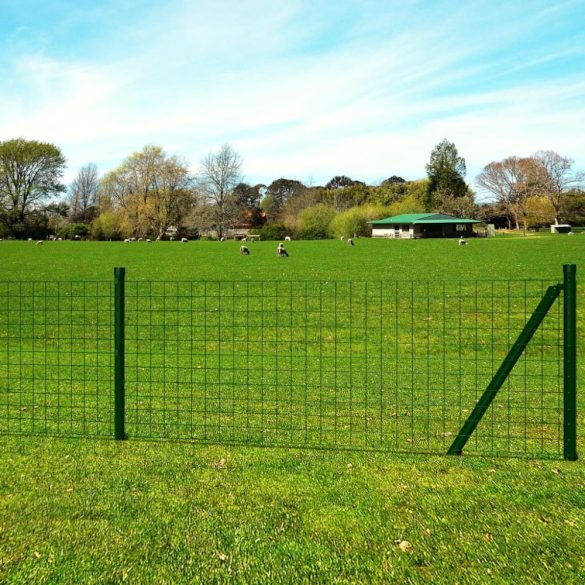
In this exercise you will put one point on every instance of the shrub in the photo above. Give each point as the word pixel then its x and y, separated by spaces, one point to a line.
pixel 314 222
pixel 273 231
pixel 355 220
pixel 107 226
pixel 73 231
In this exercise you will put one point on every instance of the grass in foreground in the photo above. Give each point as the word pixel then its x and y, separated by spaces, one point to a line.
pixel 81 511
pixel 98 512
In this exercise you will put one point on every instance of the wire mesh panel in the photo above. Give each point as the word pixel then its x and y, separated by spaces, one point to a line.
pixel 358 365
pixel 55 358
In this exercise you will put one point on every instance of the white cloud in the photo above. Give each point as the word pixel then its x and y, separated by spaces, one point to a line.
pixel 370 102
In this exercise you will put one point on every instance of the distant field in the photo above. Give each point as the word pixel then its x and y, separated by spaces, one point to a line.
pixel 536 256
pixel 167 512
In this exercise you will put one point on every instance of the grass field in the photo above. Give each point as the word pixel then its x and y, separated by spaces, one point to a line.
pixel 92 511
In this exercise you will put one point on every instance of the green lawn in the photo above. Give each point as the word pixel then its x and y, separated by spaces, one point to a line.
pixel 96 511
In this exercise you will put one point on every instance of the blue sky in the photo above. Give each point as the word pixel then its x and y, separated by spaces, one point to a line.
pixel 303 89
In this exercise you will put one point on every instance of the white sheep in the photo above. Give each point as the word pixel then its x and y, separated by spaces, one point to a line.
pixel 39 243
pixel 222 239
pixel 244 239
pixel 342 238
pixel 148 240
pixel 350 241
pixel 244 251
pixel 127 241
pixel 287 238
pixel 462 241
pixel 281 250
pixel 184 240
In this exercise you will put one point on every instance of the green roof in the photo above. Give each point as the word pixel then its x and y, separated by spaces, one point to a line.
pixel 422 218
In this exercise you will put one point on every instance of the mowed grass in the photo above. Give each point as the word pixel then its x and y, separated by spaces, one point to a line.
pixel 87 511
pixel 520 257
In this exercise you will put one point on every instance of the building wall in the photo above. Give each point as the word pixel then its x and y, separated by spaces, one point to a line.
pixel 410 231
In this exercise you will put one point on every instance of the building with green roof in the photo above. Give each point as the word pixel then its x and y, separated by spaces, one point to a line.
pixel 423 225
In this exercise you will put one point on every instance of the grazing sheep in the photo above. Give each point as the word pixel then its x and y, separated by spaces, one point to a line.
pixel 184 240
pixel 244 251
pixel 222 239
pixel 342 238
pixel 350 241
pixel 140 239
pixel 287 239
pixel 281 251
pixel 59 239
pixel 39 243
pixel 244 239
pixel 127 241
pixel 462 241
pixel 148 240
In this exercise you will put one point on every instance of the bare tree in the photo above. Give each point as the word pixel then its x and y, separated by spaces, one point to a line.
pixel 512 181
pixel 83 193
pixel 555 177
pixel 218 176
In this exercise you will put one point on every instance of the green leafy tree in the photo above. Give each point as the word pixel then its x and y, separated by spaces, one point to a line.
pixel 30 173
pixel 446 172
pixel 278 193
pixel 573 207
pixel 339 182
pixel 245 204
pixel 393 180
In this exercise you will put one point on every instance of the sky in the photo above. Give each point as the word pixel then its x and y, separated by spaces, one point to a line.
pixel 302 89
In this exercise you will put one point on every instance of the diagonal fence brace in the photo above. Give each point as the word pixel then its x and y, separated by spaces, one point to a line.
pixel 504 370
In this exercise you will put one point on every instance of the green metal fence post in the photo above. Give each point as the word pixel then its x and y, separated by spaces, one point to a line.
pixel 570 362
pixel 119 392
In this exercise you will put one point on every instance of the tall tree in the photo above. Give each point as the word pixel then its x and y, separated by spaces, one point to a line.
pixel 392 181
pixel 245 204
pixel 446 171
pixel 339 182
pixel 218 176
pixel 83 193
pixel 555 177
pixel 278 193
pixel 152 189
pixel 30 172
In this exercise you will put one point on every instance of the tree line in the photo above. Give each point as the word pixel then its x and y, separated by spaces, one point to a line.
pixel 154 194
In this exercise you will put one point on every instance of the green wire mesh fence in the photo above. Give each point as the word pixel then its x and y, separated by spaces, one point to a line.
pixel 56 341
pixel 395 366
